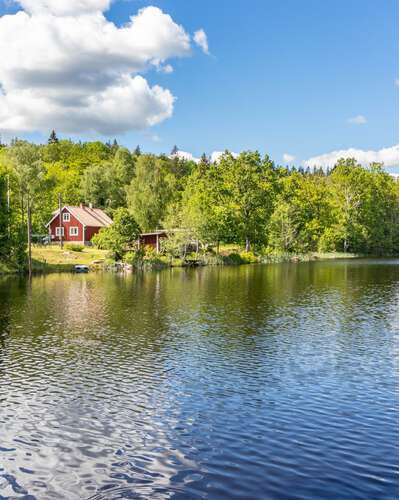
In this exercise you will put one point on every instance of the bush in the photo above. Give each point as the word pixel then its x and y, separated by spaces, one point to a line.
pixel 233 259
pixel 135 259
pixel 122 234
pixel 329 240
pixel 249 258
pixel 236 259
pixel 74 247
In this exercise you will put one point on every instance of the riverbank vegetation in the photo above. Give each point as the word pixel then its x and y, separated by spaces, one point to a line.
pixel 262 209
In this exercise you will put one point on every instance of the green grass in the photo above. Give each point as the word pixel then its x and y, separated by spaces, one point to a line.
pixel 54 259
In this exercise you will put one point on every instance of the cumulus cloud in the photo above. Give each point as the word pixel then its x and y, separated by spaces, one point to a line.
pixel 388 156
pixel 358 120
pixel 216 155
pixel 287 158
pixel 69 68
pixel 184 155
pixel 201 40
pixel 64 7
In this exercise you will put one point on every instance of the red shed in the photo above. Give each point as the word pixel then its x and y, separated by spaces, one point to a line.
pixel 77 224
pixel 153 239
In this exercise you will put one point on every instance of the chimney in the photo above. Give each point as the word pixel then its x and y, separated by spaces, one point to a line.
pixel 82 205
pixel 91 206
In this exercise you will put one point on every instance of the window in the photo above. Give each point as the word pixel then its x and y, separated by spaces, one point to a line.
pixel 73 231
pixel 66 216
pixel 57 231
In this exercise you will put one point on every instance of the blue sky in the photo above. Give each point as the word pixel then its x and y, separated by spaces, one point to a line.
pixel 283 77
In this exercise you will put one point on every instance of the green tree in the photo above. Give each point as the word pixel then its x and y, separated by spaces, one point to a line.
pixel 301 214
pixel 250 182
pixel 151 191
pixel 206 210
pixel 123 164
pixel 346 185
pixel 282 228
pixel 25 161
pixel 4 218
pixel 53 139
pixel 120 235
pixel 101 186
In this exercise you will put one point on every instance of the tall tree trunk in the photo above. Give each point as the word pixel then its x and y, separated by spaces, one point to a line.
pixel 29 238
pixel 8 207
pixel 217 247
pixel 247 245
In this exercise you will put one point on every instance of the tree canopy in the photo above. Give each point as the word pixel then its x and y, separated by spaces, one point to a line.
pixel 246 200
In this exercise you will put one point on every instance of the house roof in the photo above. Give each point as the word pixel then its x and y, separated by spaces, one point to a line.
pixel 89 217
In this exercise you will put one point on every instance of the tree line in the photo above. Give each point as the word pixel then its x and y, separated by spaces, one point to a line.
pixel 246 200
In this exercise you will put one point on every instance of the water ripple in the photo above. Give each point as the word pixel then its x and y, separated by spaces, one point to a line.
pixel 254 382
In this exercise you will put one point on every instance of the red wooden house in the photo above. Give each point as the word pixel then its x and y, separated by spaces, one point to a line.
pixel 77 224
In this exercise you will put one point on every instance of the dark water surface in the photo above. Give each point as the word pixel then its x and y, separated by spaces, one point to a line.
pixel 254 382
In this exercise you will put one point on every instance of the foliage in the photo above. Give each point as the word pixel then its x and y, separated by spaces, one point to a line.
pixel 150 191
pixel 134 258
pixel 53 139
pixel 74 247
pixel 123 233
pixel 246 201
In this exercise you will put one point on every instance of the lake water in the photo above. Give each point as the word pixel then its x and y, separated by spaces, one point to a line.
pixel 252 382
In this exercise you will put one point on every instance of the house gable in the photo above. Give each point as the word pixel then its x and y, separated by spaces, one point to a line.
pixel 73 229
pixel 64 209
pixel 80 225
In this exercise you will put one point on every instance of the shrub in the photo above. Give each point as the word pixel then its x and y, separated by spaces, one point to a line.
pixel 135 259
pixel 116 238
pixel 74 247
pixel 233 259
pixel 249 258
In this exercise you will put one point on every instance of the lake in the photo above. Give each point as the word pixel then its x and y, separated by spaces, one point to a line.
pixel 254 382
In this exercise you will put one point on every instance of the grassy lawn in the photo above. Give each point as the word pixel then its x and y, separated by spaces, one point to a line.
pixel 53 258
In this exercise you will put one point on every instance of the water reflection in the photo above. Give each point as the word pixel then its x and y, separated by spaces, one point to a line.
pixel 259 381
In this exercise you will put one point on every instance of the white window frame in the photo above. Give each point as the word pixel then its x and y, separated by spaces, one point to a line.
pixel 66 217
pixel 57 231
pixel 74 231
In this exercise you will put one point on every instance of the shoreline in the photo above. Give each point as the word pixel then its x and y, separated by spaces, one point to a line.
pixel 161 263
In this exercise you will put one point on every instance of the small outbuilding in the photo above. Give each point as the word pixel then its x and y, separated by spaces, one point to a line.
pixel 77 224
pixel 153 239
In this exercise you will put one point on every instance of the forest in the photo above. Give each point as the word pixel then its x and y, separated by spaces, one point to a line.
pixel 246 200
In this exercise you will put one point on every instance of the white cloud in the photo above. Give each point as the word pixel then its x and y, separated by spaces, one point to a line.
pixel 397 82
pixel 358 120
pixel 388 156
pixel 64 7
pixel 287 158
pixel 168 68
pixel 217 155
pixel 201 40
pixel 69 68
pixel 184 155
